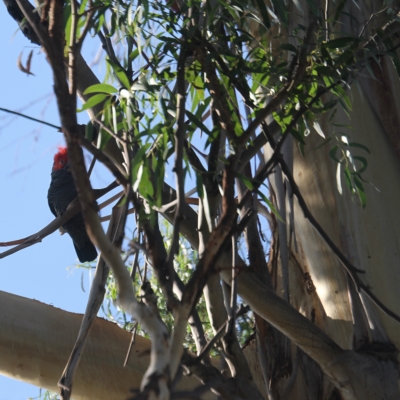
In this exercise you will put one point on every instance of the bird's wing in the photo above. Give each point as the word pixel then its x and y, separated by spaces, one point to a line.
pixel 51 208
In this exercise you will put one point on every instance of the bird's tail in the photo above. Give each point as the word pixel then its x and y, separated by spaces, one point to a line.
pixel 86 253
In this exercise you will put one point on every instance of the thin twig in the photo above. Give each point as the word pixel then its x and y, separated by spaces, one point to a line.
pixel 242 310
pixel 178 168
pixel 131 343
pixel 72 48
pixel 105 160
pixel 165 207
pixel 108 130
pixel 370 19
pixel 31 118
pixel 88 25
pixel 110 200
pixel 108 217
pixel 91 166
pixel 135 264
pixel 231 314
pixel 107 46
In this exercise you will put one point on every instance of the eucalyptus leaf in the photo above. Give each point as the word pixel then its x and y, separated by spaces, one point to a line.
pixel 93 101
pixel 101 88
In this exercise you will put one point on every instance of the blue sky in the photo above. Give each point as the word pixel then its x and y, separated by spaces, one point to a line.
pixel 45 271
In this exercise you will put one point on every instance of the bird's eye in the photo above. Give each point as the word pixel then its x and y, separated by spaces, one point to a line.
pixel 61 161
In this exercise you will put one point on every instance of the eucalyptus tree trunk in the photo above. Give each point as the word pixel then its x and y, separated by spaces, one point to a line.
pixel 319 286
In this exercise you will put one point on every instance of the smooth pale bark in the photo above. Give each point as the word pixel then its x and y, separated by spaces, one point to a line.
pixel 369 237
pixel 36 340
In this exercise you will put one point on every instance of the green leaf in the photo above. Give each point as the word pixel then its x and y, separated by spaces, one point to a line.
pixel 289 47
pixel 360 191
pixel 332 154
pixel 298 136
pixel 343 126
pixel 199 185
pixel 344 106
pixel 323 143
pixel 329 83
pixel 364 163
pixel 133 55
pixel 146 188
pixel 270 205
pixel 82 6
pixel 395 59
pixel 360 146
pixel 314 9
pixel 345 58
pixel 347 175
pixel 121 74
pixel 66 16
pixel 343 95
pixel 93 101
pixel 281 10
pixel 68 26
pixel 264 13
pixel 197 122
pixel 101 88
pixel 101 19
pixel 113 25
pixel 89 131
pixel 138 159
pixel 248 183
pixel 159 173
pixel 341 42
pixel 371 72
pixel 322 70
pixel 199 85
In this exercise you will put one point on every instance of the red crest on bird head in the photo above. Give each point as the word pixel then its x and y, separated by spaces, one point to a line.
pixel 60 159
